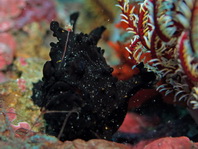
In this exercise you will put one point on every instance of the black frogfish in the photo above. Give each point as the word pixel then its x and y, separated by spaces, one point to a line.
pixel 85 100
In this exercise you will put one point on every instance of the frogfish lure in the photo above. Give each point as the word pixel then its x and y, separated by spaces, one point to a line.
pixel 69 28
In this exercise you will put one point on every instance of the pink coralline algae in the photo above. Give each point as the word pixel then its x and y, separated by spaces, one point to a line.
pixel 21 84
pixel 22 12
pixel 7 49
pixel 15 7
pixel 36 11
pixel 23 61
pixel 172 143
pixel 6 15
pixel 134 123
pixel 11 115
pixel 166 143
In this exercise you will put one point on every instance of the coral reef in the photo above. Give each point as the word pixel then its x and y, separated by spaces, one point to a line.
pixel 99 12
pixel 18 31
pixel 6 15
pixel 80 97
pixel 32 42
pixel 22 12
pixel 7 52
pixel 16 93
pixel 11 115
pixel 108 99
pixel 42 141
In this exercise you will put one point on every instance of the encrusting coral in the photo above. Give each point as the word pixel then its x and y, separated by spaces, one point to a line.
pixel 79 96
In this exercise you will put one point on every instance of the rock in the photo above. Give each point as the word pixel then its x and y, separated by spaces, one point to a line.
pixel 172 143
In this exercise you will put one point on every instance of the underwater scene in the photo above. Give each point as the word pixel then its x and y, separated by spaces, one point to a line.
pixel 99 74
